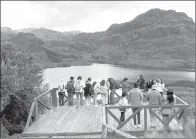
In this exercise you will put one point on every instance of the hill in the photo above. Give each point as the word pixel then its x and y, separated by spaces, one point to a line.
pixel 156 38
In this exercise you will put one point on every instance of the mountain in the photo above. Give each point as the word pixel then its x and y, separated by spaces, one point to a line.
pixel 156 38
pixel 33 44
pixel 74 33
pixel 7 33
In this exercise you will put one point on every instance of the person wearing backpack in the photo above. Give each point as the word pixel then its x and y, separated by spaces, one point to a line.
pixel 70 90
pixel 61 93
pixel 87 92
pixel 79 89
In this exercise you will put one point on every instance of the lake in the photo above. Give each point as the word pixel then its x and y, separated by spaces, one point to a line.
pixel 98 72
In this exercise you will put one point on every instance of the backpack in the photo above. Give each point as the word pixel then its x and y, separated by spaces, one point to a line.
pixel 70 86
pixel 112 83
pixel 61 87
pixel 78 86
pixel 117 85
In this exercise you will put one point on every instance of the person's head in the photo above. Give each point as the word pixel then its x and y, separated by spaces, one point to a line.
pixel 102 83
pixel 135 85
pixel 150 80
pixel 141 76
pixel 125 79
pixel 71 78
pixel 170 96
pixel 94 83
pixel 160 81
pixel 89 79
pixel 123 94
pixel 157 80
pixel 79 78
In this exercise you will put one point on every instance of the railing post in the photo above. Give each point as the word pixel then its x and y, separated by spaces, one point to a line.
pixel 54 98
pixel 104 128
pixel 145 119
pixel 36 110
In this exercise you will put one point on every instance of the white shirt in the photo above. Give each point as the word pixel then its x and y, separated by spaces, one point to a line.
pixel 82 84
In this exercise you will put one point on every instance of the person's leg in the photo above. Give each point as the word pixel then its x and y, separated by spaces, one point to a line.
pixel 112 96
pixel 95 98
pixel 59 100
pixel 123 117
pixel 103 99
pixel 134 117
pixel 77 99
pixel 138 116
pixel 71 98
pixel 81 98
pixel 63 96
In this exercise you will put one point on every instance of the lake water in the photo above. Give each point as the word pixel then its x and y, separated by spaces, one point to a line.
pixel 98 72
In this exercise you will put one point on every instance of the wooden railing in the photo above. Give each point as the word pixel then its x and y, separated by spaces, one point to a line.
pixel 46 100
pixel 180 106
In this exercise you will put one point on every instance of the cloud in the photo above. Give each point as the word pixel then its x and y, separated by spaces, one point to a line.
pixel 87 16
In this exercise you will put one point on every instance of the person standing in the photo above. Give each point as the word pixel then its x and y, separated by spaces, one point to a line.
pixel 154 98
pixel 123 102
pixel 135 98
pixel 113 90
pixel 61 92
pixel 79 86
pixel 141 82
pixel 104 85
pixel 87 92
pixel 70 90
pixel 96 90
pixel 149 84
pixel 125 86
pixel 168 99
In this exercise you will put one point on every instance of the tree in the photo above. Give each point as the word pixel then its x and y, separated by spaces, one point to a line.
pixel 20 75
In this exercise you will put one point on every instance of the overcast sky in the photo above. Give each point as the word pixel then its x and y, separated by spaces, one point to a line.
pixel 85 16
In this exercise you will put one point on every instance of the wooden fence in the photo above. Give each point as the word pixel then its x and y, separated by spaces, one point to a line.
pixel 180 106
pixel 46 100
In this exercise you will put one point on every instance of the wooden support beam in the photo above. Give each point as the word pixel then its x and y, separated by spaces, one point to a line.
pixel 119 132
pixel 43 105
pixel 145 120
pixel 29 117
pixel 36 110
pixel 113 116
pixel 130 117
pixel 104 129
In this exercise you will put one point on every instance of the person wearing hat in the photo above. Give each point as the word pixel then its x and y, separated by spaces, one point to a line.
pixel 87 93
pixel 154 98
pixel 125 86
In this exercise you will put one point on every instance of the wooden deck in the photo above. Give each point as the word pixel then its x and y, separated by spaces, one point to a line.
pixel 86 121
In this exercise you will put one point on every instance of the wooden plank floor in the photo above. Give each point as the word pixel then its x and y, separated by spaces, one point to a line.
pixel 85 119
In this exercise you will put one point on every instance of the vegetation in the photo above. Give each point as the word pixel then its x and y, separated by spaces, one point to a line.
pixel 20 76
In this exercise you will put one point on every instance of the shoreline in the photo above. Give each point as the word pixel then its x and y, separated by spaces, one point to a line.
pixel 87 63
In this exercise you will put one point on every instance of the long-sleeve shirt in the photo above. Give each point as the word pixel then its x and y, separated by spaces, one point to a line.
pixel 135 96
pixel 154 97
pixel 125 87
pixel 81 83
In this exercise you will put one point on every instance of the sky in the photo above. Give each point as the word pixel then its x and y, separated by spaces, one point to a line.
pixel 84 16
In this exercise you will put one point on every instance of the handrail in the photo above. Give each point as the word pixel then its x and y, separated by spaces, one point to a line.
pixel 119 132
pixel 42 94
pixel 30 114
pixel 181 100
pixel 147 106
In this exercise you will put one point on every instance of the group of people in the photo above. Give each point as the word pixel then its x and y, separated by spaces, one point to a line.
pixel 152 92
pixel 89 90
pixel 155 94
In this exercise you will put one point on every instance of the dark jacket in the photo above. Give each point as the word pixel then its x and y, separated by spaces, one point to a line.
pixel 141 83
pixel 87 91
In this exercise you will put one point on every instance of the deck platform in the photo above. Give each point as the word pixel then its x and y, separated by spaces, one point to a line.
pixel 84 122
